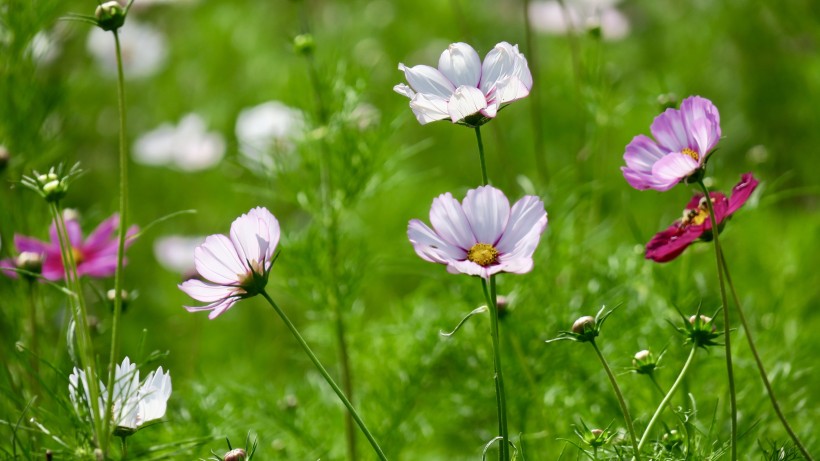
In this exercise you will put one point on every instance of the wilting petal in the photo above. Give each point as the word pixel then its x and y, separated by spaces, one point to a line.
pixel 487 209
pixel 450 223
pixel 461 65
pixel 429 246
pixel 428 80
pixel 429 108
pixel 466 101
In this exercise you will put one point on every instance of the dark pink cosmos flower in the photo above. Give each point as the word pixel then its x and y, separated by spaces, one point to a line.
pixel 695 223
pixel 95 256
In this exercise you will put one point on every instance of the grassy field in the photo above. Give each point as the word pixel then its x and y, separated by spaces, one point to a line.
pixel 354 166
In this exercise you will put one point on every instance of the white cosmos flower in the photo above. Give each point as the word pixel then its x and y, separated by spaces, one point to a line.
pixel 144 49
pixel 187 146
pixel 267 128
pixel 549 17
pixel 134 403
pixel 465 89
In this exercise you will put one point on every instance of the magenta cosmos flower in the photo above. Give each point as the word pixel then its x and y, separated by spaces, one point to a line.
pixel 95 256
pixel 464 89
pixel 482 235
pixel 235 266
pixel 683 140
pixel 695 223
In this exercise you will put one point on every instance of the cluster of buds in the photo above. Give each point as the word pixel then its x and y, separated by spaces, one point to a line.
pixel 53 185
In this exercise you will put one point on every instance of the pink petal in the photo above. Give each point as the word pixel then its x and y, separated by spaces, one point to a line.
pixel 702 121
pixel 741 192
pixel 217 260
pixel 103 235
pixel 450 222
pixel 527 222
pixel 507 90
pixel 23 243
pixel 670 132
pixel 669 170
pixel 642 153
pixel 667 245
pixel 466 101
pixel 504 61
pixel 428 80
pixel 460 64
pixel 206 292
pixel 429 246
pixel 255 235
pixel 487 210
pixel 468 267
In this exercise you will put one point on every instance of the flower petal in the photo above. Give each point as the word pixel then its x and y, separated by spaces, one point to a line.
pixel 667 245
pixel 466 101
pixel 429 246
pixel 527 222
pixel 504 61
pixel 428 80
pixel 487 209
pixel 255 235
pixel 670 132
pixel 450 223
pixel 218 261
pixel 206 292
pixel 701 120
pixel 507 90
pixel 468 267
pixel 669 170
pixel 741 192
pixel 460 64
pixel 429 108
pixel 404 90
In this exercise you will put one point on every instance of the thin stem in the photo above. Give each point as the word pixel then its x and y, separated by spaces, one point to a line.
pixel 726 325
pixel 484 180
pixel 667 397
pixel 621 401
pixel 326 375
pixel 759 363
pixel 121 235
pixel 501 399
pixel 35 350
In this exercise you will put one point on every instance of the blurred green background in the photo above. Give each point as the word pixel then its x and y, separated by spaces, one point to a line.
pixel 424 396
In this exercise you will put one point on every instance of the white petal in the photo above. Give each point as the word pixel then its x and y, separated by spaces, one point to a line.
pixel 528 219
pixel 504 61
pixel 508 90
pixel 469 268
pixel 487 209
pixel 460 64
pixel 404 90
pixel 429 108
pixel 450 222
pixel 428 80
pixel 429 246
pixel 206 292
pixel 218 261
pixel 466 101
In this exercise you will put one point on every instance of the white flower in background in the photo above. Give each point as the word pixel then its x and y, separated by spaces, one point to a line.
pixel 268 127
pixel 134 403
pixel 176 252
pixel 44 48
pixel 549 17
pixel 144 49
pixel 187 146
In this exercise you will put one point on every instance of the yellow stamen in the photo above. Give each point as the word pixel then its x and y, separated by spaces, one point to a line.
pixel 691 153
pixel 483 254
pixel 78 257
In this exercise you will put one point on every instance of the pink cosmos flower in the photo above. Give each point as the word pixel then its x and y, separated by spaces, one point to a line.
pixel 482 235
pixel 695 223
pixel 464 89
pixel 683 140
pixel 235 267
pixel 95 256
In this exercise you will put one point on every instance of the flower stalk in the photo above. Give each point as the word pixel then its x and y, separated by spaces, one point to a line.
pixel 484 179
pixel 726 324
pixel 325 375
pixel 501 399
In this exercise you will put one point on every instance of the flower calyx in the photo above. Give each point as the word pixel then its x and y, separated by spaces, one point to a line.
pixel 595 437
pixel 699 330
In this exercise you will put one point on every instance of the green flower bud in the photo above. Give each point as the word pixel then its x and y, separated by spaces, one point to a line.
pixel 54 190
pixel 304 44
pixel 110 15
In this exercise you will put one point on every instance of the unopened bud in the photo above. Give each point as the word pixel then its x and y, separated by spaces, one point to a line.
pixel 644 362
pixel 704 320
pixel 4 158
pixel 236 454
pixel 304 44
pixel 110 15
pixel 583 325
pixel 671 439
pixel 29 261
pixel 596 432
pixel 112 296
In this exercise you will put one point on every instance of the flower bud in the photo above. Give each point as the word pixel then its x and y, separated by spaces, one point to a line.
pixel 28 261
pixel 4 158
pixel 112 294
pixel 236 454
pixel 503 305
pixel 701 321
pixel 671 439
pixel 110 15
pixel 583 325
pixel 304 44
pixel 644 362
pixel 700 330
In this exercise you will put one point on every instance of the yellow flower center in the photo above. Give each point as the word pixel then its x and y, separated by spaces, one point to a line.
pixel 696 216
pixel 691 153
pixel 483 254
pixel 78 257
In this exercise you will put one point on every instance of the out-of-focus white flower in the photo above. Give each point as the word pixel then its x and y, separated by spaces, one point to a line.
pixel 134 403
pixel 144 49
pixel 365 116
pixel 548 16
pixel 44 48
pixel 176 252
pixel 268 127
pixel 187 146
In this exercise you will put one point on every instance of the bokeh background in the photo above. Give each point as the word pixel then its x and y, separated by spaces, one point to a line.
pixel 597 84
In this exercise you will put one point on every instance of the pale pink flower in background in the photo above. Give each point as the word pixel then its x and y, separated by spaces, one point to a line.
pixel 465 89
pixel 176 252
pixel 234 267
pixel 549 17
pixel 268 128
pixel 188 146
pixel 144 49
pixel 481 236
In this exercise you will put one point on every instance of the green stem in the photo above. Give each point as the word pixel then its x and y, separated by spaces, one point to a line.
pixel 726 325
pixel 759 363
pixel 326 375
pixel 121 236
pixel 484 179
pixel 501 399
pixel 35 350
pixel 667 397
pixel 621 401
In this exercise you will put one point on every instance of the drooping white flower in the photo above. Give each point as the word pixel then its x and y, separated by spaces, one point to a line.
pixel 187 146
pixel 144 49
pixel 267 128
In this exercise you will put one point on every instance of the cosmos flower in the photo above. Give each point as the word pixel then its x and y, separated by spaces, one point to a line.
pixel 482 235
pixel 187 146
pixel 695 223
pixel 683 140
pixel 234 267
pixel 134 403
pixel 464 89
pixel 176 252
pixel 95 256
pixel 268 128
pixel 549 17
pixel 144 49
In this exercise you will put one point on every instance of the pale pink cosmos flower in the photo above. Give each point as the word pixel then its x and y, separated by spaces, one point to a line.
pixel 234 267
pixel 465 89
pixel 683 140
pixel 481 236
pixel 188 146
pixel 95 256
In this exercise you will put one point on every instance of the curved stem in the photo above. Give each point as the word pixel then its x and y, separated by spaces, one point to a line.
pixel 121 235
pixel 484 179
pixel 627 418
pixel 667 397
pixel 326 375
pixel 759 363
pixel 501 399
pixel 726 325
